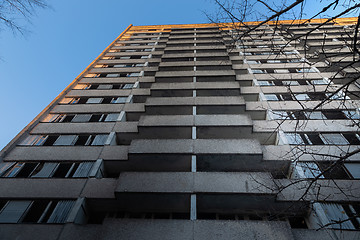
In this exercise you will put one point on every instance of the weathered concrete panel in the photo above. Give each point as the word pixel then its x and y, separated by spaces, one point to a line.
pixel 40 188
pixel 71 128
pixel 81 232
pixel 30 231
pixel 306 234
pixel 114 229
pixel 88 108
pixel 114 153
pixel 51 153
pixel 99 188
pixel 99 93
pixel 220 146
pixel 244 230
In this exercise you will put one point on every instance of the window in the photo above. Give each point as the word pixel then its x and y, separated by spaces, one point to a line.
pixel 331 170
pixel 105 100
pixel 334 138
pixel 13 170
pixel 314 115
pixel 53 118
pixel 119 100
pixel 255 71
pixel 337 96
pixel 297 60
pixel 135 74
pixel 271 97
pixel 265 83
pixel 45 169
pixel 65 140
pixel 99 140
pixel 291 52
pixel 302 97
pixel 111 117
pixel 274 61
pixel 112 75
pixel 13 211
pixel 334 114
pixel 352 114
pixel 38 211
pixel 104 86
pixel 352 138
pixel 319 82
pixel 354 169
pixel 69 101
pixel 82 86
pixel 81 118
pixel 278 115
pixel 93 100
pixel 252 62
pixel 281 71
pixel 323 138
pixel 294 139
pixel 128 86
pixel 313 138
pixel 306 70
pixel 290 83
pixel 338 216
pixel 307 170
pixel 245 53
pixel 34 140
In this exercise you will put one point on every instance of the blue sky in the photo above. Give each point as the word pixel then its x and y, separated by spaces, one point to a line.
pixel 64 39
pixel 34 69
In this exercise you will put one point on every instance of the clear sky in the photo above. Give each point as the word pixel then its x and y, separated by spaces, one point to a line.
pixel 34 69
pixel 64 39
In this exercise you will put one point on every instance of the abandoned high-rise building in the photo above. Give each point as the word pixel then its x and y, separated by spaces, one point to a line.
pixel 192 132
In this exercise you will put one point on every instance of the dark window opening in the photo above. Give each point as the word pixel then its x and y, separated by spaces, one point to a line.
pixel 298 115
pixel 286 97
pixel 317 96
pixel 107 100
pixel 297 222
pixel 353 217
pixel 73 169
pixel 331 171
pixel 36 211
pixel 305 140
pixel 95 118
pixel 26 170
pixel 83 100
pixel 50 140
pixel 315 139
pixel 2 204
pixel 352 138
pixel 68 118
pixel 49 211
pixel 82 140
pixel 62 170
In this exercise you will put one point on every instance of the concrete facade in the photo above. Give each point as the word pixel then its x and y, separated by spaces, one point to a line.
pixel 178 132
